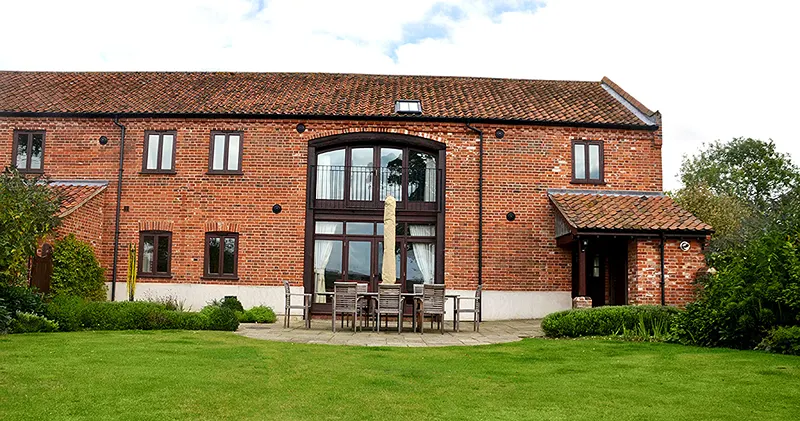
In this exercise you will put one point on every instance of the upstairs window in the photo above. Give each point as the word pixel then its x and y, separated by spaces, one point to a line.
pixel 225 155
pixel 406 106
pixel 155 252
pixel 159 152
pixel 222 255
pixel 28 154
pixel 587 162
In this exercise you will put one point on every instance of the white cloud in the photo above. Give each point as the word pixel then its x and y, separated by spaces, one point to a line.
pixel 714 69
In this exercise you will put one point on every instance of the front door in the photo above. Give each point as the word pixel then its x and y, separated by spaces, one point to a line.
pixel 595 277
pixel 618 272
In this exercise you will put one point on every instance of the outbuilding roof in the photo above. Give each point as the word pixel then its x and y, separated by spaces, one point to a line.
pixel 624 211
pixel 75 193
pixel 310 95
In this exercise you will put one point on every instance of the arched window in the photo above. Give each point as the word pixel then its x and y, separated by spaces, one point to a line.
pixel 350 176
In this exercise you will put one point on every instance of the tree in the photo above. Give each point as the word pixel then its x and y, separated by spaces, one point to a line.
pixel 740 188
pixel 725 213
pixel 28 212
pixel 748 169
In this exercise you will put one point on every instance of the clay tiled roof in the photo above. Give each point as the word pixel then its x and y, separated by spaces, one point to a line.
pixel 75 193
pixel 625 211
pixel 313 95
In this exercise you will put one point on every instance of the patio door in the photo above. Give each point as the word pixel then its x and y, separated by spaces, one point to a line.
pixel 364 263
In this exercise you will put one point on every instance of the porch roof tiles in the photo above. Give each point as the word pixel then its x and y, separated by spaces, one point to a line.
pixel 625 211
pixel 321 95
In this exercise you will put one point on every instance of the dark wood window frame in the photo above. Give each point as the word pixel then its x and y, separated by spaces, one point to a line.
pixel 160 133
pixel 403 202
pixel 601 153
pixel 227 135
pixel 152 273
pixel 314 213
pixel 14 147
pixel 222 235
pixel 404 239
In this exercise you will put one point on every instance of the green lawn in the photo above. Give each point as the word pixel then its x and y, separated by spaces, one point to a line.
pixel 213 375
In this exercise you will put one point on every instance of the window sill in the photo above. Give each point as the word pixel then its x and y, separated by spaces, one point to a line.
pixel 154 275
pixel 36 172
pixel 224 173
pixel 591 182
pixel 219 278
pixel 153 172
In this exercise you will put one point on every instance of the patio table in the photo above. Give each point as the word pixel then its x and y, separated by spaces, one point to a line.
pixel 406 296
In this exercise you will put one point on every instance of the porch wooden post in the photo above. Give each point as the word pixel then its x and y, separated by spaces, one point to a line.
pixel 581 268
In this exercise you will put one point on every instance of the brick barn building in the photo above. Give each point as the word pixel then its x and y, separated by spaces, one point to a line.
pixel 548 193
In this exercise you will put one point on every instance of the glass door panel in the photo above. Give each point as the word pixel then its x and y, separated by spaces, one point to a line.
pixel 361 168
pixel 327 266
pixel 330 175
pixel 359 261
pixel 391 173
pixel 421 177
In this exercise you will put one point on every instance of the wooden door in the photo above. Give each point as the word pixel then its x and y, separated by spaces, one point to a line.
pixel 42 269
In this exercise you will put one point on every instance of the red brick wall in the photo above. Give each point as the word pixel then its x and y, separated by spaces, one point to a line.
pixel 519 255
pixel 86 222
pixel 644 271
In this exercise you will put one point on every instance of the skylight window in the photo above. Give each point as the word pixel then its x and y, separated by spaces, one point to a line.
pixel 408 106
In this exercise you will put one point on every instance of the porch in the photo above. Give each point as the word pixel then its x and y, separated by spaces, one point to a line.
pixel 491 332
pixel 628 247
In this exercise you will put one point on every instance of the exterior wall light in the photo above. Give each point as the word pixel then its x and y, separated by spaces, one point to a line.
pixel 276 209
pixel 300 127
pixel 499 133
pixel 103 140
pixel 511 216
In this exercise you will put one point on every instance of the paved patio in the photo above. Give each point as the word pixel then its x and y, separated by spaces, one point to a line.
pixel 492 332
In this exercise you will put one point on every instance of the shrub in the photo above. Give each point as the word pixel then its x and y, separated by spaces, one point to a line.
pixel 171 302
pixel 5 320
pixel 258 314
pixel 76 270
pixel 191 321
pixel 610 320
pixel 20 299
pixel 28 323
pixel 28 212
pixel 756 289
pixel 66 311
pixel 782 340
pixel 231 303
pixel 125 315
pixel 220 318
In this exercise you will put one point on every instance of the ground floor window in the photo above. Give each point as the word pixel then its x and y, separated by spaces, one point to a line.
pixel 155 249
pixel 353 251
pixel 222 254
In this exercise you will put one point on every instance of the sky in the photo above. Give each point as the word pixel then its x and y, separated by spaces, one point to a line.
pixel 715 69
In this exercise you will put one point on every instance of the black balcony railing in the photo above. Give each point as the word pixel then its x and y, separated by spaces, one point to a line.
pixel 342 187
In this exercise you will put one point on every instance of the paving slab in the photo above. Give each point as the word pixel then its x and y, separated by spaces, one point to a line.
pixel 491 332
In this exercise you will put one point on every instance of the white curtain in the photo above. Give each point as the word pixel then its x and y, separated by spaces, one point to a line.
pixel 430 179
pixel 424 253
pixel 330 179
pixel 322 254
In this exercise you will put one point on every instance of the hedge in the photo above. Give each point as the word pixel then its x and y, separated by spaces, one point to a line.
pixel 609 320
pixel 73 313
